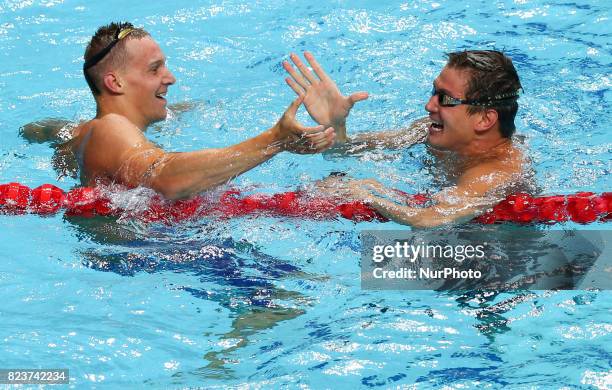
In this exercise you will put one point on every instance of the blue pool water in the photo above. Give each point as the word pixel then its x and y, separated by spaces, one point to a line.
pixel 276 303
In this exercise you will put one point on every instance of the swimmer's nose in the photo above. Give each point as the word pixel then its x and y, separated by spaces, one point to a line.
pixel 432 104
pixel 169 79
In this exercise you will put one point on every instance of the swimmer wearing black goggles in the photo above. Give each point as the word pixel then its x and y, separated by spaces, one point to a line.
pixel 448 101
pixel 121 33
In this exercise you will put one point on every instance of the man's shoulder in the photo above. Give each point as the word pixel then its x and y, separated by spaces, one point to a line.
pixel 108 135
pixel 493 169
pixel 111 128
pixel 494 172
pixel 508 160
pixel 106 141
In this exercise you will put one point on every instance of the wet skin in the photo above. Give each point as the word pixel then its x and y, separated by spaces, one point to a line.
pixel 481 166
pixel 112 146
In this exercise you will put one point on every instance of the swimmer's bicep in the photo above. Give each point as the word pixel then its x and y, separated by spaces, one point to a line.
pixel 137 165
pixel 394 139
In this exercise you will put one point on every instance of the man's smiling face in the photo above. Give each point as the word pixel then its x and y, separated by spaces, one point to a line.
pixel 147 79
pixel 452 128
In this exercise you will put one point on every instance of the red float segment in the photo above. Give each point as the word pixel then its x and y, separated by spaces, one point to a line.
pixel 14 197
pixel 46 199
pixel 605 206
pixel 552 209
pixel 583 207
pixel 580 207
pixel 87 202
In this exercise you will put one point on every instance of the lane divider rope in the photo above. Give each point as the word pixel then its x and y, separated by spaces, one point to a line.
pixel 16 198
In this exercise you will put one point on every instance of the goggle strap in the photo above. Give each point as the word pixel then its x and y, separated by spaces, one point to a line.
pixel 98 57
pixel 477 102
pixel 503 96
pixel 102 53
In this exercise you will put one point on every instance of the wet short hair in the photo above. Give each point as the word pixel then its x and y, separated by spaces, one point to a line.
pixel 491 73
pixel 115 59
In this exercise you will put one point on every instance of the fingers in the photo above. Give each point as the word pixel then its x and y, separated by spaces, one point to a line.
pixel 316 140
pixel 321 145
pixel 311 148
pixel 303 69
pixel 295 75
pixel 328 135
pixel 296 88
pixel 358 96
pixel 305 77
pixel 315 66
pixel 324 140
pixel 293 107
pixel 305 131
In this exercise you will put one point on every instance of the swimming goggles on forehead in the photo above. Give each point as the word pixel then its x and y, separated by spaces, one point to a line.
pixel 121 33
pixel 448 101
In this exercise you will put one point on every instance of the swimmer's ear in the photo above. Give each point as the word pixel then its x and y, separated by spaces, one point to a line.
pixel 113 82
pixel 487 120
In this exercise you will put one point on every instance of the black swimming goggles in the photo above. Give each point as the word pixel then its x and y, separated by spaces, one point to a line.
pixel 448 101
pixel 121 33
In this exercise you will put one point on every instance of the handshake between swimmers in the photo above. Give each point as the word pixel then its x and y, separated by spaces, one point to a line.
pixel 468 131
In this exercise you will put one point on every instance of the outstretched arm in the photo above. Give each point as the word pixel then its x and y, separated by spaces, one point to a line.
pixel 475 193
pixel 404 138
pixel 455 206
pixel 117 149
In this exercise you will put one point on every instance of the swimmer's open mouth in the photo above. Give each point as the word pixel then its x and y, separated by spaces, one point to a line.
pixel 436 126
pixel 161 95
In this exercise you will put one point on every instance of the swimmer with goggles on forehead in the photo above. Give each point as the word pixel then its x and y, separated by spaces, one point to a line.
pixel 93 61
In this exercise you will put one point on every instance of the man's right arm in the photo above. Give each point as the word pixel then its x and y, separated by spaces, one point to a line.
pixel 477 190
pixel 119 150
pixel 387 139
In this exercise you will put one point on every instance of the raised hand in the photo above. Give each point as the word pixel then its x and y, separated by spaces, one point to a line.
pixel 322 98
pixel 296 138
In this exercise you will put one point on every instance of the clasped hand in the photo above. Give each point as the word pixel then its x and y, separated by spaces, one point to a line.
pixel 297 138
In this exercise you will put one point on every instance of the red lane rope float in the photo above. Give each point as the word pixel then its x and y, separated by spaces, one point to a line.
pixel 16 198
